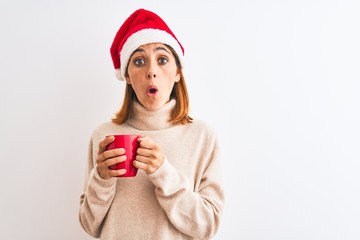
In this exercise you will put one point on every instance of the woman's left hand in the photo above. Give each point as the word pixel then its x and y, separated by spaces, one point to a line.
pixel 148 156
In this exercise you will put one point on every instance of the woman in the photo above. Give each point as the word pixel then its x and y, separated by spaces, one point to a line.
pixel 178 192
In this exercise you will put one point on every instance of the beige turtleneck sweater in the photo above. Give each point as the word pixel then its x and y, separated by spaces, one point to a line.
pixel 183 199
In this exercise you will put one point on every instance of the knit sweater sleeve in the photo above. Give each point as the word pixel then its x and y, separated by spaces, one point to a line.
pixel 97 197
pixel 194 211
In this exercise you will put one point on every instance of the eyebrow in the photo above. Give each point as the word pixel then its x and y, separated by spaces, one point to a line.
pixel 156 49
pixel 161 48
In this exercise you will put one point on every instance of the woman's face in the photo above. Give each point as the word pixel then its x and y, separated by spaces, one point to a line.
pixel 152 73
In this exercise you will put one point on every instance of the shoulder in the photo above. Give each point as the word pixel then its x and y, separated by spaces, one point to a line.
pixel 203 127
pixel 205 134
pixel 200 123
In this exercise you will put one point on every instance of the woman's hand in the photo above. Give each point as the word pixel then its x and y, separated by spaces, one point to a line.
pixel 149 156
pixel 107 158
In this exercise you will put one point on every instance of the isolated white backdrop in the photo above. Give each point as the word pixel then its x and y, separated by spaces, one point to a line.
pixel 278 80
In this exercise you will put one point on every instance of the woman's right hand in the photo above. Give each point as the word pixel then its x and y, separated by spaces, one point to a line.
pixel 106 158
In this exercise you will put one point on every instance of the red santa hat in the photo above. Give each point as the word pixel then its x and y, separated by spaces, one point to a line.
pixel 141 27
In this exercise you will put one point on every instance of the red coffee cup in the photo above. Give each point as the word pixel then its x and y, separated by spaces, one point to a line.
pixel 130 144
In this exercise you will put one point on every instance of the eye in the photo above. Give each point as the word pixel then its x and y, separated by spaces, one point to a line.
pixel 139 61
pixel 163 60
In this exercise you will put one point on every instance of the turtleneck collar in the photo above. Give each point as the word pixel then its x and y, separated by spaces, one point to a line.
pixel 143 119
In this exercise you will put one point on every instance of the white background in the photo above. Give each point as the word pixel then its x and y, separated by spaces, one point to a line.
pixel 278 80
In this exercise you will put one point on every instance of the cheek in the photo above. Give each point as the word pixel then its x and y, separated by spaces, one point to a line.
pixel 171 74
pixel 133 75
pixel 169 85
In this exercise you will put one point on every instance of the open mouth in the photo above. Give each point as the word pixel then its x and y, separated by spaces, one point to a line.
pixel 152 90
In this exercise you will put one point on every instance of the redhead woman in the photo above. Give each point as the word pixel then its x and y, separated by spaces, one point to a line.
pixel 178 191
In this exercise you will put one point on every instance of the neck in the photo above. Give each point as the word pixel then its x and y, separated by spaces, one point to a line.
pixel 143 119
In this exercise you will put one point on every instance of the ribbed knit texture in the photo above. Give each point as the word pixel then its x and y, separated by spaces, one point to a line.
pixel 183 199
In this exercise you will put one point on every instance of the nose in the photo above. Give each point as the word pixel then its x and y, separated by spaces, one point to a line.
pixel 151 74
pixel 151 71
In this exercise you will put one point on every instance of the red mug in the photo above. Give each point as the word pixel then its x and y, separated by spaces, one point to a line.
pixel 130 144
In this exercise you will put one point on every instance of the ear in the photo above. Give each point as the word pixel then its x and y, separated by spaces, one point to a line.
pixel 177 77
pixel 128 80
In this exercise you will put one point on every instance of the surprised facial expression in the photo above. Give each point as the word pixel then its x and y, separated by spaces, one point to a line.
pixel 152 73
